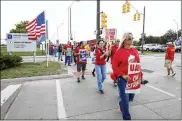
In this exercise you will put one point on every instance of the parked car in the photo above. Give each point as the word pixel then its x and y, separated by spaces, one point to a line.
pixel 146 47
pixel 159 48
pixel 178 48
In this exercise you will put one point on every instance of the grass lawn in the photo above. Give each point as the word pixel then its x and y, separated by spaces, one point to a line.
pixel 32 69
pixel 38 52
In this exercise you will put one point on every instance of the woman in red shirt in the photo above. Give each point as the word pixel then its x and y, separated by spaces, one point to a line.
pixel 100 64
pixel 126 69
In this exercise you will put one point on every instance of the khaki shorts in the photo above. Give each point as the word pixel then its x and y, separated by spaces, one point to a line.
pixel 168 63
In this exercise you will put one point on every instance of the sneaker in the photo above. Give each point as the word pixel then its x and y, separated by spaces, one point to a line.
pixel 101 91
pixel 78 80
pixel 168 75
pixel 93 74
pixel 144 82
pixel 115 84
pixel 173 74
pixel 83 77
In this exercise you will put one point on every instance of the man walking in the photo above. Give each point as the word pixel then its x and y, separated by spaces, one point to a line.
pixel 169 58
pixel 68 51
pixel 81 55
pixel 60 51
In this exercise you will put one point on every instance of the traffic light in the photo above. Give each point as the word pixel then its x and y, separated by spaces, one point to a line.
pixel 124 8
pixel 134 17
pixel 128 7
pixel 138 18
pixel 103 20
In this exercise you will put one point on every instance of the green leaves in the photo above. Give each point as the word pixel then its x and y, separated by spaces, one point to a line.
pixel 20 27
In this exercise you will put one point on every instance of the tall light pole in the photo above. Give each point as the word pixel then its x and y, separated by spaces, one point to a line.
pixel 177 27
pixel 69 21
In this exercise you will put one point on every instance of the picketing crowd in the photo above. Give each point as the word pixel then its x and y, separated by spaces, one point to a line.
pixel 125 62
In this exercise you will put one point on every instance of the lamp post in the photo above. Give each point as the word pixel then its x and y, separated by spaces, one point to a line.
pixel 69 21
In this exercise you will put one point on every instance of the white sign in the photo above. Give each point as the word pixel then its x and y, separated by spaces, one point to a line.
pixel 110 34
pixel 18 42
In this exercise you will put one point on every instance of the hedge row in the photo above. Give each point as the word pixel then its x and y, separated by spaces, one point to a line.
pixel 8 61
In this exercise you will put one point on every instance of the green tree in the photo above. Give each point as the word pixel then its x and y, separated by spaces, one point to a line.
pixel 20 27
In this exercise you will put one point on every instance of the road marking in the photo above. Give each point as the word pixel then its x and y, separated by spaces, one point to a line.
pixel 7 92
pixel 61 109
pixel 163 91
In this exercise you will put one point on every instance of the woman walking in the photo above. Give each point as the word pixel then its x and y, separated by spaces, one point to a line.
pixel 100 64
pixel 126 69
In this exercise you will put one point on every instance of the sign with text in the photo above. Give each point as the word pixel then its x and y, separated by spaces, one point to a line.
pixel 83 55
pixel 110 34
pixel 134 72
pixel 18 42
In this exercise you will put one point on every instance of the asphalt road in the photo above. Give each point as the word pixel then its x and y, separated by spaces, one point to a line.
pixel 66 99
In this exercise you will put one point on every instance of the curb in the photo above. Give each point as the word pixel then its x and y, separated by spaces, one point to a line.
pixel 49 77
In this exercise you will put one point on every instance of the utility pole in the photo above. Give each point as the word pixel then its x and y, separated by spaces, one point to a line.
pixel 70 26
pixel 98 21
pixel 143 34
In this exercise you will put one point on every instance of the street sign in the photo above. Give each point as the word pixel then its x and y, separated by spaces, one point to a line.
pixel 110 34
pixel 18 42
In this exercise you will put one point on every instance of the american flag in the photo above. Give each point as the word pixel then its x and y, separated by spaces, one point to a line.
pixel 36 27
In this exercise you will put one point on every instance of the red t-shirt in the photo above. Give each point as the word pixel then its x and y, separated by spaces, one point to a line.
pixel 113 51
pixel 66 47
pixel 98 53
pixel 170 52
pixel 78 56
pixel 120 60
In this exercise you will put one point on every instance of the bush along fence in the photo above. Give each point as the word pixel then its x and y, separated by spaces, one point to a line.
pixel 8 61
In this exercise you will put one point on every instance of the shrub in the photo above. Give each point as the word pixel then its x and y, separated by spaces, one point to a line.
pixel 8 61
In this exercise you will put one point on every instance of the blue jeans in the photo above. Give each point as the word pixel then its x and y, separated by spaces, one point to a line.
pixel 124 98
pixel 101 75
pixel 59 55
pixel 67 59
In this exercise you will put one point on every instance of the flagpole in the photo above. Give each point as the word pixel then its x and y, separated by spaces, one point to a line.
pixel 47 42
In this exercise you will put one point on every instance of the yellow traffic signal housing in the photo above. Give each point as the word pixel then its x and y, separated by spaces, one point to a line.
pixel 138 18
pixel 128 7
pixel 103 20
pixel 134 17
pixel 124 8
